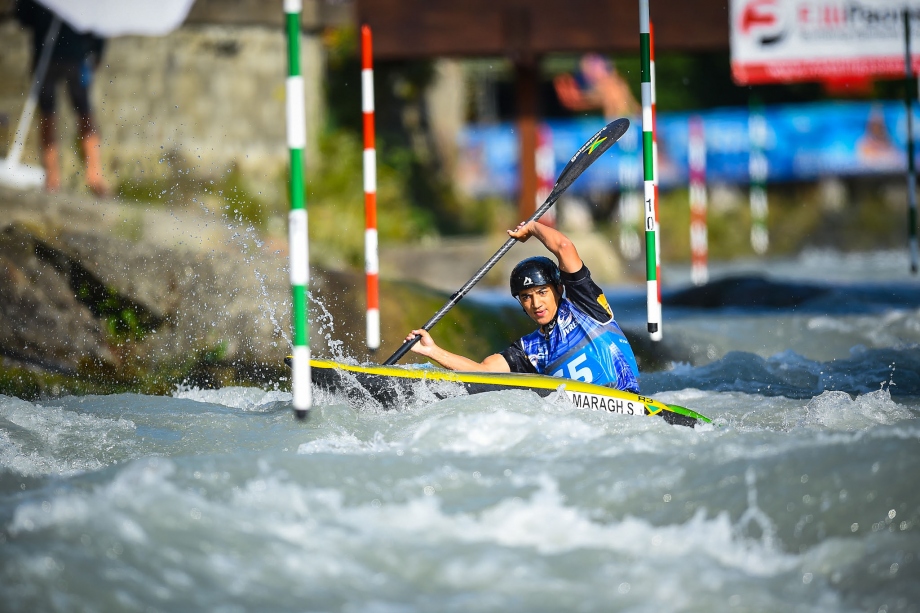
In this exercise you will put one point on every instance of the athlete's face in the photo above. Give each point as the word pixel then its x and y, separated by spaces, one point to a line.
pixel 540 303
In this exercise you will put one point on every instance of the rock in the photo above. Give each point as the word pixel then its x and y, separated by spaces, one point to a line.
pixel 41 321
pixel 79 298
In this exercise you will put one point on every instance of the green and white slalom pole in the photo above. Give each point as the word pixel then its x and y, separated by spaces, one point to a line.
pixel 297 219
pixel 911 170
pixel 648 164
pixel 655 336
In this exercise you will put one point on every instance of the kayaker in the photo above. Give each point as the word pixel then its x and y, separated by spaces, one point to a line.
pixel 577 337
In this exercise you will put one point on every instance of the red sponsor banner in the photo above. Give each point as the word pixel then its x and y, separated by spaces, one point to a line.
pixel 758 73
pixel 785 41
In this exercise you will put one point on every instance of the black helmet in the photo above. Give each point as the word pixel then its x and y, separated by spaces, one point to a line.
pixel 533 272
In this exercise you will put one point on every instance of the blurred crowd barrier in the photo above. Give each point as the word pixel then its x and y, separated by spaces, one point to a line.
pixel 802 142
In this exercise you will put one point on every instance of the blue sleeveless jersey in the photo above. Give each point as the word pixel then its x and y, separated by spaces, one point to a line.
pixel 582 348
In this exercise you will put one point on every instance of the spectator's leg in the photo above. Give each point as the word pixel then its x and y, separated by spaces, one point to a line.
pixel 92 155
pixel 78 83
pixel 50 152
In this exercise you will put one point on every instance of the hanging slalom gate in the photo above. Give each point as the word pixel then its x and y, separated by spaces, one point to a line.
pixel 758 170
pixel 546 172
pixel 911 163
pixel 371 257
pixel 297 219
pixel 629 209
pixel 699 241
pixel 648 165
pixel 629 212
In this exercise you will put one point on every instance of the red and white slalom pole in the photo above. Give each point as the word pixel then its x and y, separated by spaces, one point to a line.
pixel 699 241
pixel 371 259
pixel 546 172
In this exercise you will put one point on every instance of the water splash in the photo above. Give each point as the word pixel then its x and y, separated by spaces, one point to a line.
pixel 836 410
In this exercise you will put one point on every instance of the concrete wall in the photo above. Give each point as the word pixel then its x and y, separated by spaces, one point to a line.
pixel 446 99
pixel 205 96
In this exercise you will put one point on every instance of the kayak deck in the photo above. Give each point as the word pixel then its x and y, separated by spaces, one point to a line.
pixel 392 386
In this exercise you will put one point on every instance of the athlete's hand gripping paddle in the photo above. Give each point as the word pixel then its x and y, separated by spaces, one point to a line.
pixel 590 151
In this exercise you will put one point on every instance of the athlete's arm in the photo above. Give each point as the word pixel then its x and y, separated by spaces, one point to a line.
pixel 554 240
pixel 428 348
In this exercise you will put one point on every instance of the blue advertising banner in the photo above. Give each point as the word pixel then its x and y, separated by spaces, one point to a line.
pixel 803 142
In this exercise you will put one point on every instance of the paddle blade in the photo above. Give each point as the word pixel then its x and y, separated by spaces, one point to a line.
pixel 590 151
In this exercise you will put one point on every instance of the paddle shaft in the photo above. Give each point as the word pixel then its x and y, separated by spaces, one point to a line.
pixel 463 291
pixel 584 157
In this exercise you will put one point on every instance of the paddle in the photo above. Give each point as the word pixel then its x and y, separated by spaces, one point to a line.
pixel 590 151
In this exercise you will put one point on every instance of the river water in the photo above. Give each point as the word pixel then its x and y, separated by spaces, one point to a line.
pixel 802 496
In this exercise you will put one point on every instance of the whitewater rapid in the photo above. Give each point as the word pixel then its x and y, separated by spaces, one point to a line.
pixel 801 496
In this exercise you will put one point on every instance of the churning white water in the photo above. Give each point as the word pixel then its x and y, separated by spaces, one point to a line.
pixel 802 496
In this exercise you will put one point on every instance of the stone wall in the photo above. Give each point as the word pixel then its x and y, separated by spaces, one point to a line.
pixel 207 96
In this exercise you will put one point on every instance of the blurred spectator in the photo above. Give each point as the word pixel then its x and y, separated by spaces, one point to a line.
pixel 74 58
pixel 875 149
pixel 597 86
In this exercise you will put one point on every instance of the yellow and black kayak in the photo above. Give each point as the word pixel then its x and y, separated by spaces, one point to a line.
pixel 392 386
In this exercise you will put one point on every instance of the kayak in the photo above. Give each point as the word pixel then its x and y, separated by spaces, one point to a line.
pixel 392 386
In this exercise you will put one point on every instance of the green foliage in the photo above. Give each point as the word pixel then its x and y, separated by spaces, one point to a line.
pixel 229 189
pixel 159 190
pixel 206 367
pixel 728 230
pixel 32 384
pixel 335 199
pixel 797 219
pixel 343 80
pixel 21 383
pixel 238 202
pixel 125 320
pixel 406 154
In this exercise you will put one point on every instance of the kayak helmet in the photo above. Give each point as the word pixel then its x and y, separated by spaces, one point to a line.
pixel 534 272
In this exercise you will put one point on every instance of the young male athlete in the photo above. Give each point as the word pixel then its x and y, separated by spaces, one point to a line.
pixel 577 336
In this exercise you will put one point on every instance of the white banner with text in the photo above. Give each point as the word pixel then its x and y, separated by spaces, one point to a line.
pixel 786 41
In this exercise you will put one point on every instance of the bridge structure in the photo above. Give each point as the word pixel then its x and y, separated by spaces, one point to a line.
pixel 526 30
